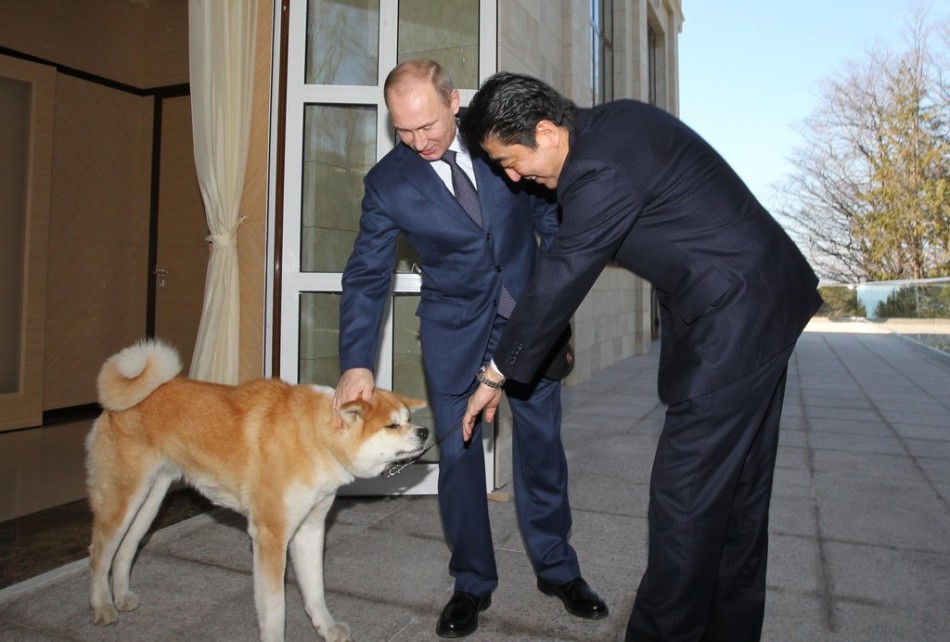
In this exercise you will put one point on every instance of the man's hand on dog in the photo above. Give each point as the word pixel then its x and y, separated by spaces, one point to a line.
pixel 355 383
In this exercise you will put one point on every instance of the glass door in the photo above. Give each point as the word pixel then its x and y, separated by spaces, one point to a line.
pixel 339 53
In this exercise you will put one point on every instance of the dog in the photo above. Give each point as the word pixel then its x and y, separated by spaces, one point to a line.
pixel 275 452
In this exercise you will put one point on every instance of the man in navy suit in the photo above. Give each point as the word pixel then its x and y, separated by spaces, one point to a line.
pixel 475 263
pixel 638 187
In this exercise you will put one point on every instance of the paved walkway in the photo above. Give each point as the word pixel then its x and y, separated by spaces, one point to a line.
pixel 860 544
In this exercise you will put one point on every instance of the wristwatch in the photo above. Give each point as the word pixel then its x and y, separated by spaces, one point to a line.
pixel 497 385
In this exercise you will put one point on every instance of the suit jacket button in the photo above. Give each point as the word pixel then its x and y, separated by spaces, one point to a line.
pixel 497 268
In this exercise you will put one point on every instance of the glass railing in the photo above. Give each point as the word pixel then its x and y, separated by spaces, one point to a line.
pixel 918 309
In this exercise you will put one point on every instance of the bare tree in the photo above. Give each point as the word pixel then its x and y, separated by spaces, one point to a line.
pixel 870 196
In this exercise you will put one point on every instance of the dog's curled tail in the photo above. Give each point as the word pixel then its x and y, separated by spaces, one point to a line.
pixel 130 376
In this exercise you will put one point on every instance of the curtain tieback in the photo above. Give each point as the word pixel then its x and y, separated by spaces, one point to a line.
pixel 229 238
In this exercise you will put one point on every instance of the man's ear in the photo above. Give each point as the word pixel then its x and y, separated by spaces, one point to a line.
pixel 352 411
pixel 547 130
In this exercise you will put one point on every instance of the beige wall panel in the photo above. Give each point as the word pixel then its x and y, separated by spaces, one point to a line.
pixel 182 228
pixel 252 235
pixel 142 44
pixel 102 37
pixel 166 43
pixel 98 240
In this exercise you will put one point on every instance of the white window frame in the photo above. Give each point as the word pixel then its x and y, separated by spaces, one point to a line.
pixel 420 478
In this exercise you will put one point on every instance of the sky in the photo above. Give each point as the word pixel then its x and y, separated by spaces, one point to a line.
pixel 750 71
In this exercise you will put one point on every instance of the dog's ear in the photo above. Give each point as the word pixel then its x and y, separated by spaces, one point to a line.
pixel 351 412
pixel 413 404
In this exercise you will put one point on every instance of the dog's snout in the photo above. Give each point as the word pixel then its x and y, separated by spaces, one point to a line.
pixel 423 433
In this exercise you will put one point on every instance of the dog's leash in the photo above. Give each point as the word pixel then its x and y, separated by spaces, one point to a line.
pixel 396 467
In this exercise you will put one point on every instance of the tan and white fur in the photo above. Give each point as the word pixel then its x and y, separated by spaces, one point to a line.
pixel 275 452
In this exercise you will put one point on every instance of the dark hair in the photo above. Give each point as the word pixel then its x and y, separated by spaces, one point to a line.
pixel 420 70
pixel 508 107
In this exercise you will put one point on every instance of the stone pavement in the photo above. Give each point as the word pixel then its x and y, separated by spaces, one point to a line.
pixel 860 524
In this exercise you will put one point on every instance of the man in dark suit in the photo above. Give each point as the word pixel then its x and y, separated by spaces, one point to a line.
pixel 476 252
pixel 638 187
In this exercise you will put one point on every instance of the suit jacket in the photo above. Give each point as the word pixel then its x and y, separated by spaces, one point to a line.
pixel 463 266
pixel 640 188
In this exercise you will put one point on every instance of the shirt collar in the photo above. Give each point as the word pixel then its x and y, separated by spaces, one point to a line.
pixel 456 146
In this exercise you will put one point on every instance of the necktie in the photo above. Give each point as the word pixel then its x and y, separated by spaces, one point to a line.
pixel 468 198
pixel 464 190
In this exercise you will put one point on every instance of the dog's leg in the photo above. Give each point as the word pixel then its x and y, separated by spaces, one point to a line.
pixel 126 600
pixel 306 549
pixel 105 541
pixel 270 564
pixel 115 502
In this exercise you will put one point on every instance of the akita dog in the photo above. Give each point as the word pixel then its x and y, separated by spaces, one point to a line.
pixel 275 452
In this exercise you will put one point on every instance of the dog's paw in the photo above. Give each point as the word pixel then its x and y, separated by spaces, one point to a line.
pixel 104 614
pixel 339 632
pixel 127 601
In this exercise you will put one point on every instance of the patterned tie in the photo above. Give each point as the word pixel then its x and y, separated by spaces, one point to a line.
pixel 468 198
pixel 464 190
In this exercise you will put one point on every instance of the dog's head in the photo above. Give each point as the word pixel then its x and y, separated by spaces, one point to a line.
pixel 382 431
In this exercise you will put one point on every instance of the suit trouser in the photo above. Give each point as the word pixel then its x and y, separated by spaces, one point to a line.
pixel 708 519
pixel 540 475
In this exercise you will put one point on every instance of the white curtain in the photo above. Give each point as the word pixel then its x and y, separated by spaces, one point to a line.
pixel 221 39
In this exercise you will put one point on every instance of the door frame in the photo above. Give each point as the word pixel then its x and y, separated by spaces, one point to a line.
pixel 24 407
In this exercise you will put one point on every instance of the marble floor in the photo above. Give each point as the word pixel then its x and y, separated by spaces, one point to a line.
pixel 44 516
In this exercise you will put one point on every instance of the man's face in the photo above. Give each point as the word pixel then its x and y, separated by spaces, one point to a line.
pixel 542 164
pixel 423 122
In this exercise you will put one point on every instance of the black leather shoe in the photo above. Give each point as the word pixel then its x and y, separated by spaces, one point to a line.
pixel 460 616
pixel 579 598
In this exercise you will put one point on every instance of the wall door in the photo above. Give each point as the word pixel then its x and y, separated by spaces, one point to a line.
pixel 181 261
pixel 26 153
pixel 337 127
